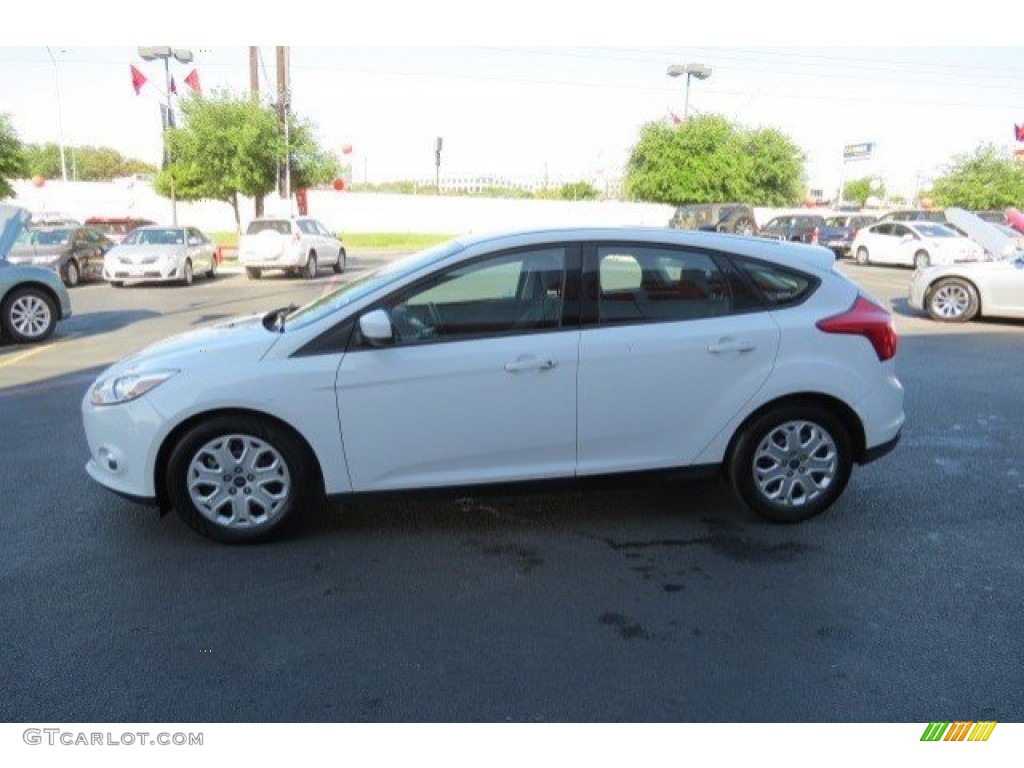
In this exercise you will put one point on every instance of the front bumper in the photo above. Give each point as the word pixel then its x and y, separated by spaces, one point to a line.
pixel 123 443
pixel 157 271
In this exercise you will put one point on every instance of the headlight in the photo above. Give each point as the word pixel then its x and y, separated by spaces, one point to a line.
pixel 126 387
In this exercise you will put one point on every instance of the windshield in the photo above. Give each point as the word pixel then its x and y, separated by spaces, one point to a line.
pixel 367 284
pixel 155 237
pixel 44 237
pixel 936 230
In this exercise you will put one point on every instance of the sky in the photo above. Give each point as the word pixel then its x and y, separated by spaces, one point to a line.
pixel 562 101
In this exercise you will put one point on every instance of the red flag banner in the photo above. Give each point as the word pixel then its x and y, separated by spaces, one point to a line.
pixel 138 80
pixel 1018 132
pixel 192 81
pixel 174 88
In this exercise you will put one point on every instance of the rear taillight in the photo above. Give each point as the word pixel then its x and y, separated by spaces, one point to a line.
pixel 867 319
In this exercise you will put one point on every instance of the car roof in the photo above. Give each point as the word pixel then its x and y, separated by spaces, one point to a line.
pixel 781 252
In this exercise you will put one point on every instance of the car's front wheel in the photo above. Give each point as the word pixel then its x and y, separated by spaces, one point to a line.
pixel 921 260
pixel 72 274
pixel 28 314
pixel 253 273
pixel 339 265
pixel 862 255
pixel 791 463
pixel 239 479
pixel 309 271
pixel 187 275
pixel 952 300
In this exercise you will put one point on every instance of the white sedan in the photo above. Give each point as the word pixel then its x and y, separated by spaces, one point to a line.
pixel 160 254
pixel 960 292
pixel 540 355
pixel 913 244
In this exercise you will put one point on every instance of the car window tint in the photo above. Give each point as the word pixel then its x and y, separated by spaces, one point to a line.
pixel 652 284
pixel 273 225
pixel 779 286
pixel 510 293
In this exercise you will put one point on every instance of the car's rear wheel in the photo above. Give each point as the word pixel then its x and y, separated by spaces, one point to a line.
pixel 27 315
pixel 862 255
pixel 745 227
pixel 791 463
pixel 116 284
pixel 309 271
pixel 921 260
pixel 72 274
pixel 253 273
pixel 952 300
pixel 239 479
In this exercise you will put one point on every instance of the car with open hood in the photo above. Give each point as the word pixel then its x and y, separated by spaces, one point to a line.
pixel 32 298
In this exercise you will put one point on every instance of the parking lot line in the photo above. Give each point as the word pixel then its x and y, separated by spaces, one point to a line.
pixel 9 361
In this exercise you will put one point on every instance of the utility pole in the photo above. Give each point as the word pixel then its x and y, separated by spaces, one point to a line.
pixel 254 92
pixel 283 177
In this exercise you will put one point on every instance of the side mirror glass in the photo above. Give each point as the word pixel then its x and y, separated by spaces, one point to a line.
pixel 376 328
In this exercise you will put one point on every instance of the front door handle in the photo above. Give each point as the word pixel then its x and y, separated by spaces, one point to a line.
pixel 729 344
pixel 530 364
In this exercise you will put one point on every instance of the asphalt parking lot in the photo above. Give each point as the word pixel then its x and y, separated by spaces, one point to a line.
pixel 900 604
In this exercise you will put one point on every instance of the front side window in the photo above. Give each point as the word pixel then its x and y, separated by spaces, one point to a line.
pixel 518 292
pixel 652 284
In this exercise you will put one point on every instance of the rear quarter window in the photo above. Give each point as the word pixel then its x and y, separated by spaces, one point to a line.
pixel 777 286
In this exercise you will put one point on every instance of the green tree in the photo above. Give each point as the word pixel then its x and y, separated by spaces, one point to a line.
pixel 859 190
pixel 12 157
pixel 578 190
pixel 983 179
pixel 228 147
pixel 311 165
pixel 707 159
pixel 84 163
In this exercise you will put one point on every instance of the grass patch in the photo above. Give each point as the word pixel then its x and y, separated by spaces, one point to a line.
pixel 383 241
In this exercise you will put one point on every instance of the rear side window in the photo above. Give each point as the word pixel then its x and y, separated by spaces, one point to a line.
pixel 777 285
pixel 652 284
pixel 274 225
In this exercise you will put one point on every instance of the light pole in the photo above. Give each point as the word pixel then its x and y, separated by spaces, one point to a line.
pixel 60 117
pixel 690 70
pixel 184 55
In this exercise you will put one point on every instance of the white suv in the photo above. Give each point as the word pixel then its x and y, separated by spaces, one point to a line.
pixel 297 245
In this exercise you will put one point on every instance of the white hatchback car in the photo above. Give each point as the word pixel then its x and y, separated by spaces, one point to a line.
pixel 501 358
pixel 913 244
pixel 298 246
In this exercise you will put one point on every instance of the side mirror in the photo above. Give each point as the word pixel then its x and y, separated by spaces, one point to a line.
pixel 376 328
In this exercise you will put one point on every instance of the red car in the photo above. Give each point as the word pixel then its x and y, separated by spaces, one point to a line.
pixel 116 227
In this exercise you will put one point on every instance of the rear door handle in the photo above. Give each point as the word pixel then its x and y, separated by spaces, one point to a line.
pixel 730 344
pixel 531 364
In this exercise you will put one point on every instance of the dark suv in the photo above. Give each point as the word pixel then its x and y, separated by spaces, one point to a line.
pixel 735 218
pixel 795 227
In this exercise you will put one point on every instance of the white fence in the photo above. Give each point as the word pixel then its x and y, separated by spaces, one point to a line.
pixel 353 212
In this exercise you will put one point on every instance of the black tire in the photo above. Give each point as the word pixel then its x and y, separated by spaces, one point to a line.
pixel 862 256
pixel 116 284
pixel 28 315
pixel 922 260
pixel 249 509
pixel 341 263
pixel 212 271
pixel 310 269
pixel 72 274
pixel 952 300
pixel 253 273
pixel 791 463
pixel 187 274
pixel 746 227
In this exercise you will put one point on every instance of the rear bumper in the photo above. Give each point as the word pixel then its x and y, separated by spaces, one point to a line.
pixel 877 452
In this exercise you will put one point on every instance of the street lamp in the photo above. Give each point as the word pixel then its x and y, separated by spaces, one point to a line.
pixel 60 117
pixel 183 55
pixel 690 70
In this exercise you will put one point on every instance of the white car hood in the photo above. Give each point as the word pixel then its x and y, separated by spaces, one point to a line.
pixel 239 340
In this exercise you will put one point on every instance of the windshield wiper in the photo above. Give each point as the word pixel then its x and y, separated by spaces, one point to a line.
pixel 276 317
